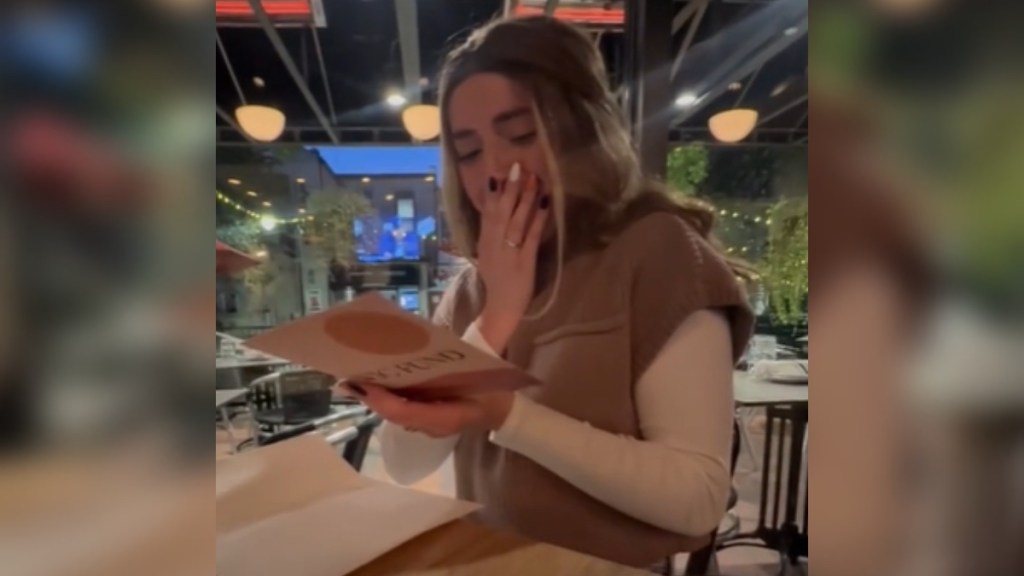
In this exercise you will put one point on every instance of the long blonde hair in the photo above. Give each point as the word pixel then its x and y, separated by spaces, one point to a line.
pixel 591 158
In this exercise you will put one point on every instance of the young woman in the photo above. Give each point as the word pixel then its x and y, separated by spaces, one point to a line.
pixel 586 275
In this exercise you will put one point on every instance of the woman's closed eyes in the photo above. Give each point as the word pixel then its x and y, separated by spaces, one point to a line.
pixel 519 140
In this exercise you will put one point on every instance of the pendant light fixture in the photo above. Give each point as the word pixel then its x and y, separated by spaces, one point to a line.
pixel 261 122
pixel 733 125
pixel 422 121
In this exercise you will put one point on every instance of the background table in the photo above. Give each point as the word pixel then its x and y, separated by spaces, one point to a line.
pixel 237 363
pixel 750 391
pixel 465 548
pixel 785 409
pixel 224 397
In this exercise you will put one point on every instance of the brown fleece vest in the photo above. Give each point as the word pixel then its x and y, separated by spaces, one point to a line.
pixel 616 307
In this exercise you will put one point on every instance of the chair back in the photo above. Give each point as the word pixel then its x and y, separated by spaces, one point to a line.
pixel 355 450
pixel 263 393
pixel 305 395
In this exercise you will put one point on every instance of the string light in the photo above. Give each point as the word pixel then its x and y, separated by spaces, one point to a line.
pixel 227 201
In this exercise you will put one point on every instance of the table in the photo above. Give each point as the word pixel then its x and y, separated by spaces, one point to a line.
pixel 786 406
pixel 749 391
pixel 236 363
pixel 225 397
pixel 465 548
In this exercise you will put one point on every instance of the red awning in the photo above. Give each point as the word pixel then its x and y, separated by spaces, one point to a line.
pixel 231 261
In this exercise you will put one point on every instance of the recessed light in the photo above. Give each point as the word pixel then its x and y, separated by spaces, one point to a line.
pixel 735 86
pixel 267 204
pixel 780 88
pixel 234 181
pixel 302 210
pixel 791 30
pixel 300 180
pixel 366 179
pixel 395 100
pixel 251 193
pixel 687 99
pixel 429 178
pixel 258 82
pixel 389 197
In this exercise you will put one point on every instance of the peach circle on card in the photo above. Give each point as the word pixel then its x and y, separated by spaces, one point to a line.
pixel 377 333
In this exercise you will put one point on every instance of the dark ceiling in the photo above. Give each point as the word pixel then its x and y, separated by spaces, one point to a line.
pixel 759 44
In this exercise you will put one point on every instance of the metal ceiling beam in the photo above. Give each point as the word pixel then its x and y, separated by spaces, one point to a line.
pixel 409 43
pixel 647 81
pixel 293 70
pixel 231 69
pixel 780 111
pixel 764 41
pixel 684 13
pixel 230 120
pixel 396 136
pixel 702 7
pixel 323 72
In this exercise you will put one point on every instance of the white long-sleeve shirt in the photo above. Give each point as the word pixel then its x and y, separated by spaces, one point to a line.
pixel 676 476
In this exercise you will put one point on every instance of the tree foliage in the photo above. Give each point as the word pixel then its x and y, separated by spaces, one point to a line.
pixel 784 265
pixel 247 235
pixel 687 169
pixel 331 232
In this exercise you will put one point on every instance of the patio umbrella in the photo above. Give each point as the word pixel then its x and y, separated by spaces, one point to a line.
pixel 231 261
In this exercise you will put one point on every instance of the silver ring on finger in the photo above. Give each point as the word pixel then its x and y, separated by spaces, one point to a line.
pixel 513 244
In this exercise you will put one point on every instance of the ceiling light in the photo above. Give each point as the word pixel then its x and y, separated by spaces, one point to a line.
pixel 791 30
pixel 389 197
pixel 366 179
pixel 733 125
pixel 395 100
pixel 251 193
pixel 261 123
pixel 258 81
pixel 687 99
pixel 267 204
pixel 429 178
pixel 268 222
pixel 234 181
pixel 300 180
pixel 302 210
pixel 422 121
pixel 780 88
pixel 735 86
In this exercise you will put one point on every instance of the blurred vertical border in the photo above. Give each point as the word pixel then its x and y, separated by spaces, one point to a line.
pixel 106 287
pixel 917 297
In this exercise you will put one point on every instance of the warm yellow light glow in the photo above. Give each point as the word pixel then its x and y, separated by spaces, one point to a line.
pixel 366 179
pixel 251 193
pixel 267 204
pixel 261 123
pixel 234 181
pixel 422 121
pixel 733 125
pixel 300 180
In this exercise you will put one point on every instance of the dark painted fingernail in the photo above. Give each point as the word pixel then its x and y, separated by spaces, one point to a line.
pixel 545 201
pixel 357 389
pixel 492 184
